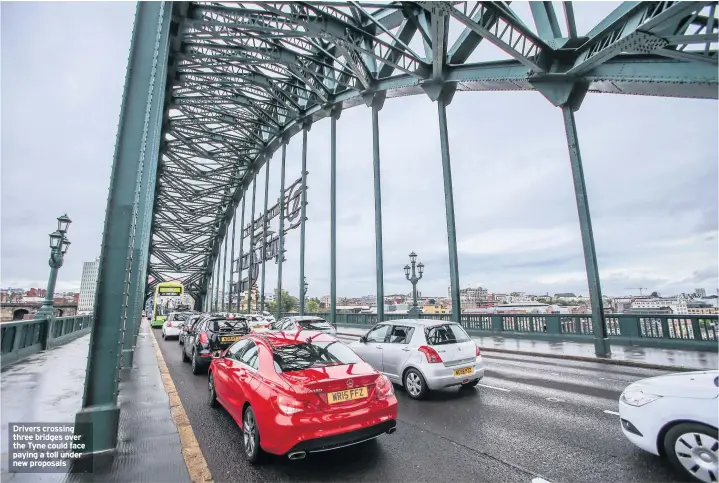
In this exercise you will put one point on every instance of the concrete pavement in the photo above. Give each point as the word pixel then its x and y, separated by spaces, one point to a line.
pixel 530 418
pixel 623 355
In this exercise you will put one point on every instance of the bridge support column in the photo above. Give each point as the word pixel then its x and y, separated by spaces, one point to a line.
pixel 242 244
pixel 252 241
pixel 303 216
pixel 335 115
pixel 98 419
pixel 224 274
pixel 569 96
pixel 265 224
pixel 232 260
pixel 443 94
pixel 217 278
pixel 281 251
pixel 376 101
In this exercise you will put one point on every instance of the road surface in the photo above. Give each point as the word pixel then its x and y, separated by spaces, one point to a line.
pixel 530 418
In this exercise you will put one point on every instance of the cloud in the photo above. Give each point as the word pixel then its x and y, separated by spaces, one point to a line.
pixel 650 166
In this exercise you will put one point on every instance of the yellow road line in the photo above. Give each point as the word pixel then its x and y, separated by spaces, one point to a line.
pixel 191 452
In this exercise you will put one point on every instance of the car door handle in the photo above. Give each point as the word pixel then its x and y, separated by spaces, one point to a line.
pixel 378 347
pixel 406 349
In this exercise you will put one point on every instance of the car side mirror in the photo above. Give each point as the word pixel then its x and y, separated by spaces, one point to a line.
pixel 363 339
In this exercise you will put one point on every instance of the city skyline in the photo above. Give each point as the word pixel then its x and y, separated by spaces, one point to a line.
pixel 653 207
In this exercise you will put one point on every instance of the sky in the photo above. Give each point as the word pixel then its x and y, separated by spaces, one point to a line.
pixel 650 166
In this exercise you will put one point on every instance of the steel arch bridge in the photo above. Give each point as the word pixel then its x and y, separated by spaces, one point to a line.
pixel 213 90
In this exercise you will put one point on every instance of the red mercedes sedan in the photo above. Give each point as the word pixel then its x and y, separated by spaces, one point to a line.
pixel 295 393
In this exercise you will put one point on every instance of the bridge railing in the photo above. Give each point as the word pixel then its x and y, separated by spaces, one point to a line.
pixel 697 332
pixel 22 338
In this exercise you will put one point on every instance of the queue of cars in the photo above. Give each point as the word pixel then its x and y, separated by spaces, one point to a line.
pixel 294 388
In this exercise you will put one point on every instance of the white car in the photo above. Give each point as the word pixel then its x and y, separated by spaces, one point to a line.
pixel 172 326
pixel 422 355
pixel 676 416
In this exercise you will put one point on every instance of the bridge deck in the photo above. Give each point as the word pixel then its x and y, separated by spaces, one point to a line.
pixel 498 432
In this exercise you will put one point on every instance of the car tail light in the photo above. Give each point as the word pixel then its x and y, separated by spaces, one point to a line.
pixel 203 338
pixel 431 354
pixel 384 387
pixel 289 406
pixel 169 324
pixel 478 353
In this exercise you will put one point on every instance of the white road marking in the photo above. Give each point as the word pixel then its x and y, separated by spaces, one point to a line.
pixel 539 480
pixel 611 412
pixel 497 388
pixel 610 379
pixel 554 399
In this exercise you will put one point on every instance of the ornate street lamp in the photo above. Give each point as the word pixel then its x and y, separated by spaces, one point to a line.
pixel 58 248
pixel 414 279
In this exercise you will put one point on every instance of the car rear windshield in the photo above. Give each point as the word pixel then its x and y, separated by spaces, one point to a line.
pixel 315 324
pixel 229 325
pixel 296 357
pixel 446 334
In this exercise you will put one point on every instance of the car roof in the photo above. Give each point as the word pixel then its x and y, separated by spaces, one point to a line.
pixel 306 317
pixel 293 337
pixel 419 322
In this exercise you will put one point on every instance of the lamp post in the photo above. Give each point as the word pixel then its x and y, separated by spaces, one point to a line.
pixel 414 279
pixel 58 248
pixel 304 295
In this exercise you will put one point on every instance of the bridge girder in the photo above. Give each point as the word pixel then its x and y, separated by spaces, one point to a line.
pixel 243 78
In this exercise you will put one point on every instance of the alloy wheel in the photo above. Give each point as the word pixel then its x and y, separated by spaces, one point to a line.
pixel 413 383
pixel 697 453
pixel 248 432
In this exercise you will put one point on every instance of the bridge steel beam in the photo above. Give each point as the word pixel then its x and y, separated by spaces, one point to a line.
pixel 232 262
pixel 376 102
pixel 443 100
pixel 252 242
pixel 98 419
pixel 303 216
pixel 224 273
pixel 334 116
pixel 281 251
pixel 568 96
pixel 242 243
pixel 265 224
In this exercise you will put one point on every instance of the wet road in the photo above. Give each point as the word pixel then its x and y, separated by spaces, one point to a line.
pixel 530 418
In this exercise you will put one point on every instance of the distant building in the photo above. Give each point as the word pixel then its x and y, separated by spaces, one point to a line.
pixel 434 309
pixel 88 283
pixel 564 295
pixel 700 292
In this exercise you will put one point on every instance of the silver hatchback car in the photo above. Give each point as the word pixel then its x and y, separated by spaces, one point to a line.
pixel 422 355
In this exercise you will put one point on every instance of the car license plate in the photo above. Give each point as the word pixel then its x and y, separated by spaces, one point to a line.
pixel 465 371
pixel 347 395
pixel 230 339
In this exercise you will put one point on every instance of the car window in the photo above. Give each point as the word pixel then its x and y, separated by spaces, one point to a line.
pixel 288 325
pixel 303 355
pixel 236 349
pixel 314 324
pixel 219 325
pixel 250 355
pixel 378 334
pixel 446 334
pixel 401 334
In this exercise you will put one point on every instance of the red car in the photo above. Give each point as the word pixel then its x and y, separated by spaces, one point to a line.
pixel 294 393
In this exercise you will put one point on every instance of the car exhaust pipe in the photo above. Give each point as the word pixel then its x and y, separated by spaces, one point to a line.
pixel 297 455
pixel 391 430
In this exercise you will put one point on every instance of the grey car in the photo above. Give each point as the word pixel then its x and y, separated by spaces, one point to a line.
pixel 422 355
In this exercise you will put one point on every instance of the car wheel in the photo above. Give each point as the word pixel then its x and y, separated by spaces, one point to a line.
pixel 184 356
pixel 251 437
pixel 180 340
pixel 470 384
pixel 213 394
pixel 692 449
pixel 163 335
pixel 414 384
pixel 195 364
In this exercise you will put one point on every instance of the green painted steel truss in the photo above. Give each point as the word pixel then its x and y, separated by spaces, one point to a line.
pixel 242 78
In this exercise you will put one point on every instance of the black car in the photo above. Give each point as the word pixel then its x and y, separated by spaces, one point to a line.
pixel 211 335
pixel 191 321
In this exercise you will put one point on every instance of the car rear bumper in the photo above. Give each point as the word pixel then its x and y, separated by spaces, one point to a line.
pixel 342 440
pixel 438 376
pixel 327 431
pixel 171 331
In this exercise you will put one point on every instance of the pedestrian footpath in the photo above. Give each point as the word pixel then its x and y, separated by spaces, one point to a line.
pixel 624 355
